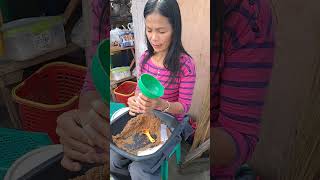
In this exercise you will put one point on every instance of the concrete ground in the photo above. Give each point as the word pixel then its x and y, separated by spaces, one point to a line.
pixel 197 170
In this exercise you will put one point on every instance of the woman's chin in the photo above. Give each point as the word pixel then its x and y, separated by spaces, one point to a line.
pixel 156 50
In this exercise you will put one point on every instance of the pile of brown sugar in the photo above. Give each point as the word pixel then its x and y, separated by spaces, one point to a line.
pixel 134 130
pixel 96 173
pixel 101 172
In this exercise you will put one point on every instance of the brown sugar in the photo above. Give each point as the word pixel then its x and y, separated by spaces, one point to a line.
pixel 96 173
pixel 132 139
pixel 100 172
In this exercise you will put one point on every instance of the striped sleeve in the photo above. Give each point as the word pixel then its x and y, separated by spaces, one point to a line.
pixel 248 61
pixel 187 82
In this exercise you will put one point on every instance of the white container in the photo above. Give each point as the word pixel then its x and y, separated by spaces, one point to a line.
pixel 30 37
pixel 119 73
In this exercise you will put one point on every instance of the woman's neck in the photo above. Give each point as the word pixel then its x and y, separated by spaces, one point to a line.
pixel 158 58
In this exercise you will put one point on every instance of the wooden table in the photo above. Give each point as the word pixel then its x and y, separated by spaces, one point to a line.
pixel 11 72
pixel 116 49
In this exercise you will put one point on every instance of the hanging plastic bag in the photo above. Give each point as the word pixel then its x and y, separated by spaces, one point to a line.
pixel 126 38
pixel 114 36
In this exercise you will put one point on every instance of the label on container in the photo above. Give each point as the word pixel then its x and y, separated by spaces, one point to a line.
pixel 42 40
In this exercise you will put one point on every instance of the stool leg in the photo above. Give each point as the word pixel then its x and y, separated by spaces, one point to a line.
pixel 162 171
pixel 178 154
pixel 165 170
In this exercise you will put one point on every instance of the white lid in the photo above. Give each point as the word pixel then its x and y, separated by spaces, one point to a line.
pixel 31 160
pixel 119 112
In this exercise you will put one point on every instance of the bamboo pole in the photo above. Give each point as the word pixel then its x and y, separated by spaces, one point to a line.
pixel 203 123
pixel 303 155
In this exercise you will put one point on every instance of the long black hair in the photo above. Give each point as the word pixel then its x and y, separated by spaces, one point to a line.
pixel 169 9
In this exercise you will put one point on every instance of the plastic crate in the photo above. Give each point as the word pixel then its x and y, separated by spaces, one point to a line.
pixel 124 91
pixel 46 94
pixel 15 143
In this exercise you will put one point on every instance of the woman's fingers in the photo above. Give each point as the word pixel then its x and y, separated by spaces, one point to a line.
pixel 100 140
pixel 73 144
pixel 144 98
pixel 96 128
pixel 132 101
pixel 146 104
pixel 99 123
pixel 101 108
pixel 75 155
pixel 134 109
pixel 132 113
pixel 78 142
pixel 70 164
pixel 143 104
pixel 133 106
pixel 67 127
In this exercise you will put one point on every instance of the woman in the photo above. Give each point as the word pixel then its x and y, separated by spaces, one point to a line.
pixel 242 59
pixel 167 60
pixel 84 130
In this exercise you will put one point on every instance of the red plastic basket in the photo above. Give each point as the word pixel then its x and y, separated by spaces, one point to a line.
pixel 46 94
pixel 124 91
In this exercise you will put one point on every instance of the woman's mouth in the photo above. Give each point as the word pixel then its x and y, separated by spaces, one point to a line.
pixel 156 45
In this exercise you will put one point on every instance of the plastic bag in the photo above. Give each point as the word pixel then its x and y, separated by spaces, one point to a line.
pixel 126 38
pixel 78 34
pixel 114 37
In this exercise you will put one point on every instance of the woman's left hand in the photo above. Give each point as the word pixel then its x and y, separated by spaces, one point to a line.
pixel 146 104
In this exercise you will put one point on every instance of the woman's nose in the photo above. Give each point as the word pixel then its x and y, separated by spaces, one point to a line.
pixel 154 37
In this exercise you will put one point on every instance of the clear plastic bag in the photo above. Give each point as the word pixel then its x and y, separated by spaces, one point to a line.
pixel 114 37
pixel 126 38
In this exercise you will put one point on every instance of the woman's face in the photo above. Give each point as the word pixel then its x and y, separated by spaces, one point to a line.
pixel 159 31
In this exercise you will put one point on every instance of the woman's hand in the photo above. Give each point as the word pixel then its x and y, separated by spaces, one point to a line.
pixel 97 126
pixel 146 104
pixel 80 132
pixel 77 145
pixel 142 104
pixel 133 105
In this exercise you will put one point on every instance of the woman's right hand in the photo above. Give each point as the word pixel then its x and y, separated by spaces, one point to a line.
pixel 133 106
pixel 77 145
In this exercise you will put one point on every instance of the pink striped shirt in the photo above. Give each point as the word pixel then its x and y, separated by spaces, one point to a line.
pixel 181 89
pixel 238 92
pixel 95 13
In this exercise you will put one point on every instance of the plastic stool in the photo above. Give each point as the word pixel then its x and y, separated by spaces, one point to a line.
pixel 165 164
